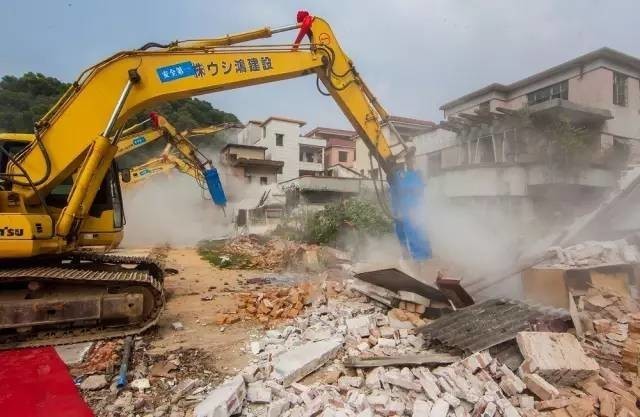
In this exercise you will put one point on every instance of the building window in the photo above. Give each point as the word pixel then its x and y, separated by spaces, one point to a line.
pixel 619 89
pixel 559 90
pixel 263 180
pixel 484 152
pixel 484 107
pixel 343 156
pixel 279 139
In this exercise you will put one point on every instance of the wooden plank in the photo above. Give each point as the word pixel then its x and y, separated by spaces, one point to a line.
pixel 547 286
pixel 432 358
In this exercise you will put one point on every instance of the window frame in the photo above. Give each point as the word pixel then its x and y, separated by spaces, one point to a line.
pixel 345 154
pixel 280 136
pixel 620 89
pixel 557 90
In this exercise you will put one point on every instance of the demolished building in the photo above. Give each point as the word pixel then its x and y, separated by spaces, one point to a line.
pixel 542 147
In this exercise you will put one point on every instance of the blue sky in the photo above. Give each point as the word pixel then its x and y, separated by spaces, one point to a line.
pixel 415 55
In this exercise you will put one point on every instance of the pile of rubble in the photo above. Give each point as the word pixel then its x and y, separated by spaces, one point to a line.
pixel 357 358
pixel 255 252
pixel 357 349
pixel 271 305
pixel 610 325
pixel 594 253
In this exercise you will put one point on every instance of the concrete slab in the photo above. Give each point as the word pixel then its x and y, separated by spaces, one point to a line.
pixel 224 401
pixel 74 354
pixel 293 365
pixel 556 357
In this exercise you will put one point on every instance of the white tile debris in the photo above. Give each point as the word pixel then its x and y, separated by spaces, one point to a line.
pixel 293 365
pixel 224 401
pixel 257 392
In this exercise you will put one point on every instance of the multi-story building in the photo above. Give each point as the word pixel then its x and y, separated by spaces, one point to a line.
pixel 282 141
pixel 340 149
pixel 541 146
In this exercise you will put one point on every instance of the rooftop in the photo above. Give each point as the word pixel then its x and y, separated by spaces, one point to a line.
pixel 330 131
pixel 283 119
pixel 343 143
pixel 602 53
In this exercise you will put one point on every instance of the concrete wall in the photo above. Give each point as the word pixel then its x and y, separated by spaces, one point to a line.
pixel 361 163
pixel 342 172
pixel 288 152
pixel 253 175
pixel 247 153
pixel 251 134
pixel 310 166
pixel 332 156
pixel 513 181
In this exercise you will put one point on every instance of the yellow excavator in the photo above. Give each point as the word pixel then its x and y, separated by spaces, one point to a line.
pixel 61 193
pixel 134 138
pixel 180 153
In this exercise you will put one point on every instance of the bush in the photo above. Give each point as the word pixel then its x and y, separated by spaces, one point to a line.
pixel 350 217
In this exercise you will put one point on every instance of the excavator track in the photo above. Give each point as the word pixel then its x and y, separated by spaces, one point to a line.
pixel 107 274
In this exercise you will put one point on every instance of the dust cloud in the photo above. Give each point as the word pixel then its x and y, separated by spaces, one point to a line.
pixel 171 210
pixel 474 242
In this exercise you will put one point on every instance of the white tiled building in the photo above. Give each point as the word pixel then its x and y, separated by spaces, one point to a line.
pixel 284 142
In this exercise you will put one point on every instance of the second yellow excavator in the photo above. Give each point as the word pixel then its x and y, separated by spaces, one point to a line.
pixel 180 153
pixel 61 193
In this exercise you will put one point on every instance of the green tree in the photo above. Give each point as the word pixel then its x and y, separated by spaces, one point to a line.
pixel 24 100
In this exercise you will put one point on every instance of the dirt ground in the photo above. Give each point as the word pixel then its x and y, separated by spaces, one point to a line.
pixel 198 295
pixel 197 278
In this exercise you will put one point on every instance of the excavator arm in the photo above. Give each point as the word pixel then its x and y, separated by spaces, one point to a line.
pixel 180 153
pixel 132 138
pixel 162 164
pixel 210 130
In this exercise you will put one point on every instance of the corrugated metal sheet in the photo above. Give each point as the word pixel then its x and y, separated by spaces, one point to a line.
pixel 486 324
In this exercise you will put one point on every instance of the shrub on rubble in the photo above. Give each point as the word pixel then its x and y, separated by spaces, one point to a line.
pixel 345 218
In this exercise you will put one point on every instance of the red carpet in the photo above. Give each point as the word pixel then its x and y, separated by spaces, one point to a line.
pixel 35 382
